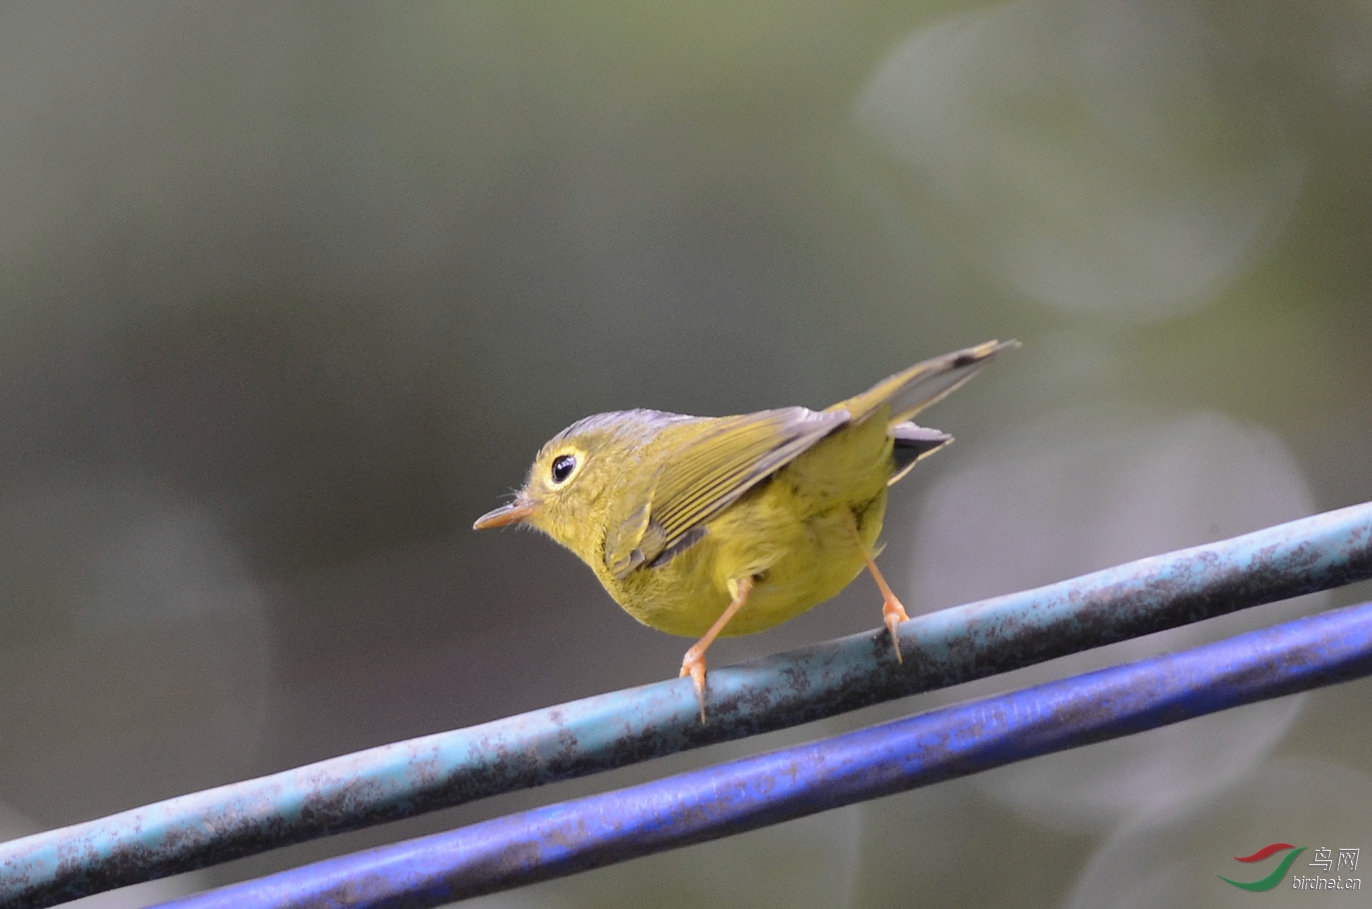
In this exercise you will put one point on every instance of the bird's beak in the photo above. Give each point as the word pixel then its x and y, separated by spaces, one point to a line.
pixel 512 513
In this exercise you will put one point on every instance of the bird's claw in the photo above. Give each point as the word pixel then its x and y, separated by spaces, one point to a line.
pixel 693 664
pixel 893 613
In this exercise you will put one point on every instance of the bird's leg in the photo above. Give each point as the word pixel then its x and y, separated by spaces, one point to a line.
pixel 892 610
pixel 693 663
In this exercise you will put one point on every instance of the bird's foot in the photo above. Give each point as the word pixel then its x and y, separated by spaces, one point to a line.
pixel 893 613
pixel 693 664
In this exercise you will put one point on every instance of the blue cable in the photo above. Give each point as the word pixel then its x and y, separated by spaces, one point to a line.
pixel 743 795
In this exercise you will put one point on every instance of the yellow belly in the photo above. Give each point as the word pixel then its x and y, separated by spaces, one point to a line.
pixel 800 535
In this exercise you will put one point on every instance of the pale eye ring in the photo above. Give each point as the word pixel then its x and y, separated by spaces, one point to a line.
pixel 563 466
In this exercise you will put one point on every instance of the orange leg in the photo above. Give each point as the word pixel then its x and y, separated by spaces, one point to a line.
pixel 693 663
pixel 892 610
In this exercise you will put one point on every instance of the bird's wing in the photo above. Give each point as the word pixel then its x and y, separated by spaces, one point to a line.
pixel 707 474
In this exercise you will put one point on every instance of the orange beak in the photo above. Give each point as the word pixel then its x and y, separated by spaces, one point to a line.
pixel 512 513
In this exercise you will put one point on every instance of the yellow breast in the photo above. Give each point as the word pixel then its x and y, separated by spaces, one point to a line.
pixel 794 534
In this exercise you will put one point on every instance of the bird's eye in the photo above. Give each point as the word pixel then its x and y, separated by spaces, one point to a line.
pixel 563 465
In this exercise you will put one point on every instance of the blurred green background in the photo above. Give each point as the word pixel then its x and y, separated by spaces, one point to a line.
pixel 293 291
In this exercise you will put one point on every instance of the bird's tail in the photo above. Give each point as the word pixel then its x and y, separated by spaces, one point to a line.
pixel 911 390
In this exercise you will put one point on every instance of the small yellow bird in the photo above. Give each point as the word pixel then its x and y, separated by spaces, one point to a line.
pixel 702 526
